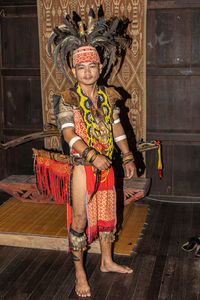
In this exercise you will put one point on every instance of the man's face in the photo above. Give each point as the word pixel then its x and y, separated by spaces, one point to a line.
pixel 87 73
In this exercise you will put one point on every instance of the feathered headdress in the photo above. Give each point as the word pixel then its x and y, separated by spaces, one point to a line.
pixel 107 36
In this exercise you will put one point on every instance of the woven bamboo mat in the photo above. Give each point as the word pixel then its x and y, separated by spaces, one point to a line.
pixel 132 226
pixel 37 225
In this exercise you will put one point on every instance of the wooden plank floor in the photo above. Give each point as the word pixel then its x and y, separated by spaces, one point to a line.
pixel 162 271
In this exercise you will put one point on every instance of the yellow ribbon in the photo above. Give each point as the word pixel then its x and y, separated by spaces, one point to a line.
pixel 159 159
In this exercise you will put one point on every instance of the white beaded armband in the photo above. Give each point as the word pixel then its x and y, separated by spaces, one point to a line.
pixel 74 140
pixel 116 121
pixel 120 138
pixel 65 125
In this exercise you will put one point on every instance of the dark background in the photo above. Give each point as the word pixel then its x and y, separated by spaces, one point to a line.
pixel 173 96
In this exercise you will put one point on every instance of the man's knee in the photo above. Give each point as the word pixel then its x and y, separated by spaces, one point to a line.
pixel 79 222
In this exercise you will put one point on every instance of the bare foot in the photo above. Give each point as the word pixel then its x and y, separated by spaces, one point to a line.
pixel 113 267
pixel 82 288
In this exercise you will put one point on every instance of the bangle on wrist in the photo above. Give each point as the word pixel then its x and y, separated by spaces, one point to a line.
pixel 127 157
pixel 128 161
pixel 85 152
pixel 90 155
pixel 126 154
pixel 92 159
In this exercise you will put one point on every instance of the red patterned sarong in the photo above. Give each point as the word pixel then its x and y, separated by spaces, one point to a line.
pixel 101 209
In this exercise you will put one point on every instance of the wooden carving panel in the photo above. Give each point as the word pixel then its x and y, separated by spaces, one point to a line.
pixel 132 75
pixel 23 187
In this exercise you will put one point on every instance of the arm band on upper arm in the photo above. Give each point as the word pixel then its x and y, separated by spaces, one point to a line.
pixel 116 121
pixel 74 140
pixel 120 138
pixel 67 125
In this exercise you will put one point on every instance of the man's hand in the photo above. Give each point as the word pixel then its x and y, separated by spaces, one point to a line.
pixel 129 169
pixel 101 162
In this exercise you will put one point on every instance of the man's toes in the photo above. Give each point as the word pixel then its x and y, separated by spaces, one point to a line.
pixel 128 270
pixel 88 294
pixel 77 292
pixel 83 293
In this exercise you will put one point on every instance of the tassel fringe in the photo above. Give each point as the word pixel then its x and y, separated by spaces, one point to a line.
pixel 53 179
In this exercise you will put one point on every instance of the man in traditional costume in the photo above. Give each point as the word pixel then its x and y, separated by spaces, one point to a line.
pixel 88 119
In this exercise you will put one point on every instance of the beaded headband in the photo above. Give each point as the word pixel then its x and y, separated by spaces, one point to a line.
pixel 85 54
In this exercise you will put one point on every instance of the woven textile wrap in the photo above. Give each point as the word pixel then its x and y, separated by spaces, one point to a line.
pixel 52 177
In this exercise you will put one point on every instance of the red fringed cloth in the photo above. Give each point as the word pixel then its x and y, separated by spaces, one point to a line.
pixel 53 179
pixel 101 209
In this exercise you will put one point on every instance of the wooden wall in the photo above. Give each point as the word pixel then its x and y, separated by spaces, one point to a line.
pixel 173 106
pixel 20 98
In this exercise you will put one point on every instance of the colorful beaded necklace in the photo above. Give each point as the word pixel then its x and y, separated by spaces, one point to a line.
pixel 92 125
